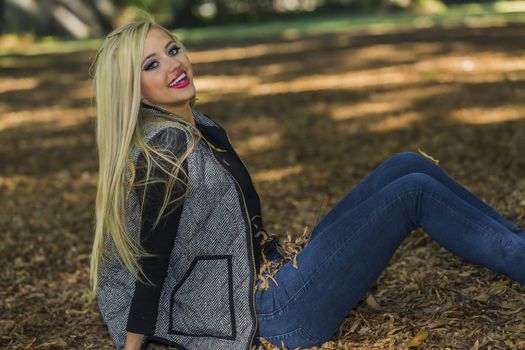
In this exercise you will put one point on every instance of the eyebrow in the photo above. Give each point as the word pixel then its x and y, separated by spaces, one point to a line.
pixel 151 55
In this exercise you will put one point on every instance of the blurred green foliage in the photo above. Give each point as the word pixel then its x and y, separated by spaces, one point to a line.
pixel 161 9
pixel 311 24
pixel 41 20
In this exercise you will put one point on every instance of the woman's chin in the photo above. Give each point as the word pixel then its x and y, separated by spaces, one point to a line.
pixel 184 95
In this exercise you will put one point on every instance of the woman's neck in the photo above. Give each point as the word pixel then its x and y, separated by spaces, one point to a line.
pixel 185 112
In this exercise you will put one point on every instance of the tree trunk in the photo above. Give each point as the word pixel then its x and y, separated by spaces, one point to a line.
pixel 222 12
pixel 70 18
pixel 2 15
pixel 105 11
pixel 182 14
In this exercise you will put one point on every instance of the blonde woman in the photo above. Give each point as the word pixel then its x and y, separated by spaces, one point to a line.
pixel 180 251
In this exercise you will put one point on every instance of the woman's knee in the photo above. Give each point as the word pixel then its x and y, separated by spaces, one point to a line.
pixel 417 180
pixel 412 161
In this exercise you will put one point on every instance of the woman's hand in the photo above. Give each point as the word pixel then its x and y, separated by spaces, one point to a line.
pixel 133 341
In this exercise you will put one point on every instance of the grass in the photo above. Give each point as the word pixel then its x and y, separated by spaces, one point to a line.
pixel 309 24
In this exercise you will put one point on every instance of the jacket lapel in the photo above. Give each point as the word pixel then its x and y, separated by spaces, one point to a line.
pixel 216 133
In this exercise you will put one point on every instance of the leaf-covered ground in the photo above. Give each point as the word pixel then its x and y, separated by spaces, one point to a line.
pixel 310 116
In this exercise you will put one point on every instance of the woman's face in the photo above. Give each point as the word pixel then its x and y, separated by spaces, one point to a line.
pixel 166 78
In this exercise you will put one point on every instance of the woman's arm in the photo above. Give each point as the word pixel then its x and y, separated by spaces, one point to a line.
pixel 159 241
pixel 133 341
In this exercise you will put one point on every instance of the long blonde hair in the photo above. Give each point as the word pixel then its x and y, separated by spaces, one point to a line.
pixel 116 73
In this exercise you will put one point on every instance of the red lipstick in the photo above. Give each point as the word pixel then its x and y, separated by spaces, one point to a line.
pixel 180 81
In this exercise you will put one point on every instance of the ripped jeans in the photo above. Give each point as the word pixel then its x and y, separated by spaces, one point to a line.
pixel 354 242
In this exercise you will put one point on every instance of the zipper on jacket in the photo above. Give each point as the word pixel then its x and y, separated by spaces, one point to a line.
pixel 254 289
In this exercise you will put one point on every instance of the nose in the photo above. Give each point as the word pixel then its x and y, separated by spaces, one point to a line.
pixel 173 64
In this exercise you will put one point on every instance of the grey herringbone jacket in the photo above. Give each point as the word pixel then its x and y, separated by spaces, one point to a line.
pixel 207 299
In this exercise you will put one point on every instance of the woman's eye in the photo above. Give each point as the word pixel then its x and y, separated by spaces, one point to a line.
pixel 173 50
pixel 151 65
pixel 154 64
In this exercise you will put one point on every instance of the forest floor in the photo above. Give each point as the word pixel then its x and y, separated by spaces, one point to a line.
pixel 310 116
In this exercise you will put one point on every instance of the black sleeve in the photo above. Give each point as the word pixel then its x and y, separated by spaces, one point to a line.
pixel 159 241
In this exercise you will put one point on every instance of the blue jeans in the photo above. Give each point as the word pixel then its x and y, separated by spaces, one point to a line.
pixel 354 242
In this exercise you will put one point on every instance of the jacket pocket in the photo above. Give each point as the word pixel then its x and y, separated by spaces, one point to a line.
pixel 202 302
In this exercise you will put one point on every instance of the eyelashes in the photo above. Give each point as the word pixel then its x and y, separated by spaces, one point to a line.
pixel 174 47
pixel 172 51
pixel 151 65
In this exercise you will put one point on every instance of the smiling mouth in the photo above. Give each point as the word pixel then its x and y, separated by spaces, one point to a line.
pixel 180 81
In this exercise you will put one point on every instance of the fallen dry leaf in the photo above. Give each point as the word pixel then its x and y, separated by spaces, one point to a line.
pixel 418 339
pixel 371 301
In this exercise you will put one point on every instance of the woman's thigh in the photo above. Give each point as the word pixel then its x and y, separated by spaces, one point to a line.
pixel 395 167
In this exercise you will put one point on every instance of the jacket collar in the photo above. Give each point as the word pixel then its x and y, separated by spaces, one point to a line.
pixel 211 130
pixel 205 124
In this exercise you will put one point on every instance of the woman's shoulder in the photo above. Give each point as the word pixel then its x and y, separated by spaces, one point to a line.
pixel 167 138
pixel 169 134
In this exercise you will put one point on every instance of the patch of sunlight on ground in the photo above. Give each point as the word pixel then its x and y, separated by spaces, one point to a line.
pixel 260 143
pixel 360 79
pixel 386 123
pixel 10 84
pixel 259 50
pixel 224 83
pixel 389 52
pixel 485 62
pixel 57 116
pixel 387 102
pixel 486 115
pixel 277 174
pixel 395 122
pixel 82 92
pixel 363 109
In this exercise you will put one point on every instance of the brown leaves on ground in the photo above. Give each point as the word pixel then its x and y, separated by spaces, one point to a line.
pixel 418 339
pixel 311 117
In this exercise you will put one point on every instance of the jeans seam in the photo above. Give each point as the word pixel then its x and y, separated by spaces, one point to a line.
pixel 299 330
pixel 484 229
